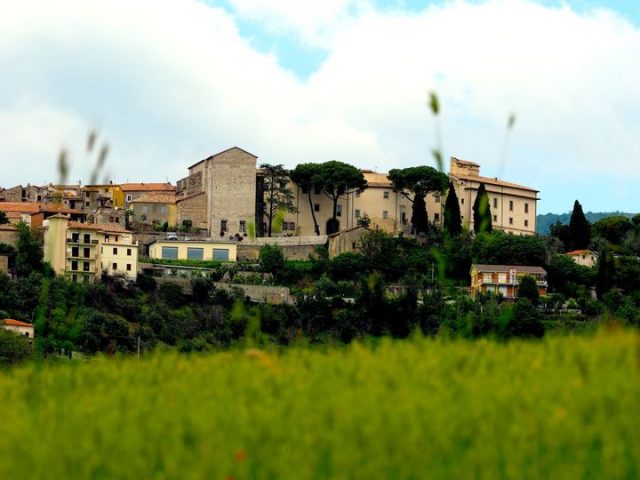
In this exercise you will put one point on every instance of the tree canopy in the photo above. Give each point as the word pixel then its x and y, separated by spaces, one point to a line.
pixel 452 220
pixel 482 211
pixel 303 176
pixel 336 179
pixel 277 194
pixel 415 183
pixel 579 229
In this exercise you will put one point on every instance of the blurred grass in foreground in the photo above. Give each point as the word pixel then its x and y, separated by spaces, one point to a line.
pixel 564 407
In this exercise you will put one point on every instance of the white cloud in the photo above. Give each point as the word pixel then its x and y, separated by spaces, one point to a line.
pixel 168 82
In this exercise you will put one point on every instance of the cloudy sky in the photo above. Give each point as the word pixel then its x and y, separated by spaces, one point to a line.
pixel 169 82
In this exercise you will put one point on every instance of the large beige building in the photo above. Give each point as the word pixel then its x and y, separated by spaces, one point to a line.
pixel 513 207
pixel 219 195
pixel 84 252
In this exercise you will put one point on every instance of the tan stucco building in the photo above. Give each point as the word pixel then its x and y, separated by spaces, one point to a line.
pixel 504 279
pixel 21 328
pixel 154 209
pixel 84 252
pixel 586 258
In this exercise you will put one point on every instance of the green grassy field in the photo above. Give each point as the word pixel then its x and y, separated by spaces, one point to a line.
pixel 563 408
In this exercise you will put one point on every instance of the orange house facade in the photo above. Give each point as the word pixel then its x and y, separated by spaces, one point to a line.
pixel 504 279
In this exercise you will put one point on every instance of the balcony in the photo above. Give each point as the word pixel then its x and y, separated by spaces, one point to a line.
pixel 80 241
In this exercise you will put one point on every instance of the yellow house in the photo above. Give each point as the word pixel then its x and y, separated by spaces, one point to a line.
pixel 98 195
pixel 193 250
pixel 155 208
pixel 85 252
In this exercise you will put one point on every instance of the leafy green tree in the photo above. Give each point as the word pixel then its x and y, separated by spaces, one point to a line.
pixel 14 348
pixel 565 275
pixel 277 194
pixel 561 232
pixel 3 218
pixel 303 176
pixel 528 288
pixel 613 229
pixel 605 280
pixel 579 229
pixel 506 249
pixel 415 183
pixel 336 179
pixel 29 254
pixel 525 320
pixel 482 211
pixel 452 220
pixel 271 259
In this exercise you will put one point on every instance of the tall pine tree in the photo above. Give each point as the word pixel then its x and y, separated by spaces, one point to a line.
pixel 579 229
pixel 606 273
pixel 452 220
pixel 482 211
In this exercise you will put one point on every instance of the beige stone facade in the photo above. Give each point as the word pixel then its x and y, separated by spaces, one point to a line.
pixel 154 209
pixel 226 182
pixel 346 241
pixel 193 250
pixel 84 252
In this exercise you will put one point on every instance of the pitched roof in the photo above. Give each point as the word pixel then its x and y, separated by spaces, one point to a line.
pixel 156 197
pixel 19 207
pixel 16 323
pixel 491 181
pixel 580 252
pixel 104 227
pixel 505 268
pixel 220 153
pixel 464 162
pixel 147 187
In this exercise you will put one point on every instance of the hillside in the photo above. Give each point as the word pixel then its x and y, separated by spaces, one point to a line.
pixel 544 221
pixel 424 408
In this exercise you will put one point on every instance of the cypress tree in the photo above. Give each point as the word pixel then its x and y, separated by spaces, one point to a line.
pixel 579 228
pixel 452 221
pixel 482 211
pixel 419 217
pixel 606 273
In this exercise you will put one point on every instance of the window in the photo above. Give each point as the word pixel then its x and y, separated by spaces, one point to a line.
pixel 385 214
pixel 526 208
pixel 86 252
pixel 357 213
pixel 511 205
pixel 117 219
pixel 288 226
pixel 85 266
pixel 243 226
pixel 486 278
pixel 436 217
pixel 194 253
pixel 86 278
pixel 385 194
pixel 510 220
pixel 114 267
pixel 462 201
pixel 436 198
pixel 526 223
pixel 495 203
pixel 87 238
pixel 26 334
pixel 74 265
pixel 128 267
pixel 338 210
pixel 128 252
pixel 316 207
pixel 75 251
pixel 495 218
pixel 223 225
pixel 221 254
pixel 75 237
pixel 353 245
pixel 502 278
pixel 129 198
pixel 170 252
pixel 163 209
pixel 305 190
pixel 144 209
pixel 115 251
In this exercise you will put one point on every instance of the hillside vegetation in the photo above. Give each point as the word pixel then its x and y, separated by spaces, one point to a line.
pixel 544 221
pixel 563 407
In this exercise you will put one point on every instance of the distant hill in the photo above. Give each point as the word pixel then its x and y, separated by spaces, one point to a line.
pixel 543 222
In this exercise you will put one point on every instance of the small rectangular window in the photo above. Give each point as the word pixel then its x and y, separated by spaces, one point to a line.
pixel 194 253
pixel 223 225
pixel 74 265
pixel 170 253
pixel 86 252
pixel 462 201
pixel 510 220
pixel 385 194
pixel 115 251
pixel 526 208
pixel 357 213
pixel 436 217
pixel 495 218
pixel 243 226
pixel 436 198
pixel 85 266
pixel 339 210
pixel 128 267
pixel 221 254
pixel 511 205
pixel 114 267
pixel 316 207
pixel 129 198
pixel 526 223
pixel 128 252
pixel 87 238
pixel 385 214
pixel 495 203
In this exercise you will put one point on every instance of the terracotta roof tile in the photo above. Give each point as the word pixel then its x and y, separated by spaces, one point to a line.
pixel 505 268
pixel 16 323
pixel 104 227
pixel 156 197
pixel 148 187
